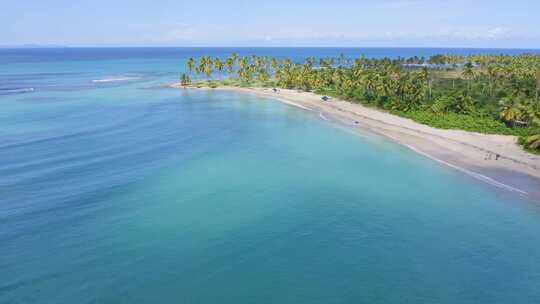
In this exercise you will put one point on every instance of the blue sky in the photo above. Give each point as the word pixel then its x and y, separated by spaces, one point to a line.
pixel 430 23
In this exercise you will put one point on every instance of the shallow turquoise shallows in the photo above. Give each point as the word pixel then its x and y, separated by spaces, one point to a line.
pixel 113 190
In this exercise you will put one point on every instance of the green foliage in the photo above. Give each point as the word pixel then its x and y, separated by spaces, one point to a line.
pixel 473 123
pixel 185 80
pixel 460 104
pixel 531 142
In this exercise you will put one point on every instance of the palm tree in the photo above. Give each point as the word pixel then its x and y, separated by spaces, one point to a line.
pixel 185 80
pixel 275 64
pixel 201 68
pixel 463 104
pixel 385 86
pixel 243 70
pixel 531 111
pixel 370 84
pixel 234 57
pixel 243 62
pixel 510 110
pixel 219 65
pixel 401 86
pixel 416 92
pixel 492 72
pixel 424 75
pixel 208 68
pixel 229 63
pixel 263 75
pixel 468 73
pixel 191 64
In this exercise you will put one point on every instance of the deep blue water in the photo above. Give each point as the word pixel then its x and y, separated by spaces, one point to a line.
pixel 113 190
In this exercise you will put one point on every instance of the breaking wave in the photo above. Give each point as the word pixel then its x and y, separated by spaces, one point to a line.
pixel 9 91
pixel 116 79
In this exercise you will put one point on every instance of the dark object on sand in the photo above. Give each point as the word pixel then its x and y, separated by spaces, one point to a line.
pixel 325 98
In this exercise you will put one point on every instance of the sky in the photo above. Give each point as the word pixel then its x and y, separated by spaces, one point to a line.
pixel 383 23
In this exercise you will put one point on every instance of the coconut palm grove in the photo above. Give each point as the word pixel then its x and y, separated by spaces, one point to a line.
pixel 492 94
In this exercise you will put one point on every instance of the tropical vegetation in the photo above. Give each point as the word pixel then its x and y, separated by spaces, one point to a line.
pixel 494 94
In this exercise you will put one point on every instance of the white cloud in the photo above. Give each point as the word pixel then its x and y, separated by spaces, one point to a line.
pixel 475 33
pixel 180 32
pixel 414 35
pixel 498 32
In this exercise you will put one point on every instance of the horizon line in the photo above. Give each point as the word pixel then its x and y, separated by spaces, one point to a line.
pixel 30 46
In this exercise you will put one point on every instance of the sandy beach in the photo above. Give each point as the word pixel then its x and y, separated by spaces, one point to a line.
pixel 495 159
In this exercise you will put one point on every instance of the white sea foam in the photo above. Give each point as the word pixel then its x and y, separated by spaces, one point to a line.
pixel 294 104
pixel 478 176
pixel 16 90
pixel 116 79
pixel 321 115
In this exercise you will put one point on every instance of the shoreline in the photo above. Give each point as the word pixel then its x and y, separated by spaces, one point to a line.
pixel 472 153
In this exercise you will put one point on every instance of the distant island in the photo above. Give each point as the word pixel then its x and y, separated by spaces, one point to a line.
pixel 489 94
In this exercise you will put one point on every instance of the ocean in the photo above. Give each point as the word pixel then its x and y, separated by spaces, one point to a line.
pixel 114 189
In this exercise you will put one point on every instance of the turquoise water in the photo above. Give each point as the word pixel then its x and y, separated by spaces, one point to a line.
pixel 115 191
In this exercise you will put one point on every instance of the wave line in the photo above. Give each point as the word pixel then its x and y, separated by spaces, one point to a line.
pixel 478 176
